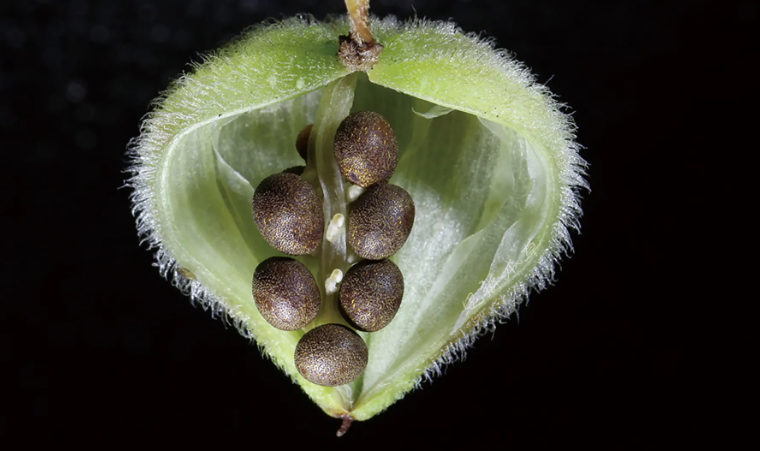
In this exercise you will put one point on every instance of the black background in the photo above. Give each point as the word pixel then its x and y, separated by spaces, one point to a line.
pixel 97 348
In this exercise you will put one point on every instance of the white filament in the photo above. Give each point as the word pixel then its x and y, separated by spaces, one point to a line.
pixel 354 192
pixel 335 228
pixel 331 284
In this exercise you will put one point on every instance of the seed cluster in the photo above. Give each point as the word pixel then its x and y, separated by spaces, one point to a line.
pixel 289 215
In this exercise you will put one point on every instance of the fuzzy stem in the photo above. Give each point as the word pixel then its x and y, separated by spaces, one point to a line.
pixel 359 51
pixel 358 13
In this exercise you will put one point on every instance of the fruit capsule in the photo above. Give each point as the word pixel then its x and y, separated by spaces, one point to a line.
pixel 485 151
pixel 288 214
pixel 371 294
pixel 285 293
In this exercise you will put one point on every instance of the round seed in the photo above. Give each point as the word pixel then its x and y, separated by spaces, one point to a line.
pixel 366 148
pixel 302 141
pixel 331 355
pixel 288 214
pixel 286 293
pixel 297 170
pixel 371 294
pixel 379 222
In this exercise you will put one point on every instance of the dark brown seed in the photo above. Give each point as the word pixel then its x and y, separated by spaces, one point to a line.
pixel 286 293
pixel 331 355
pixel 302 141
pixel 366 148
pixel 297 170
pixel 371 293
pixel 379 222
pixel 288 214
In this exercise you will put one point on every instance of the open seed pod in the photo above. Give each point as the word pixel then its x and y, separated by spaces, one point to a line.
pixel 484 151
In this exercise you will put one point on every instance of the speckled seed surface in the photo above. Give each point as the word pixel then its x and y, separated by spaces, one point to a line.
pixel 366 148
pixel 371 294
pixel 286 293
pixel 331 355
pixel 379 221
pixel 288 214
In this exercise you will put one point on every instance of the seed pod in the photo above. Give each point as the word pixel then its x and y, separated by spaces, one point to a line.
pixel 331 355
pixel 302 141
pixel 366 148
pixel 379 222
pixel 288 214
pixel 286 293
pixel 487 146
pixel 371 294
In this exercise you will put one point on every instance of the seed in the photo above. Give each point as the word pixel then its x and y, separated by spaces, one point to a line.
pixel 331 355
pixel 186 273
pixel 366 148
pixel 302 141
pixel 371 294
pixel 288 214
pixel 297 170
pixel 379 222
pixel 286 293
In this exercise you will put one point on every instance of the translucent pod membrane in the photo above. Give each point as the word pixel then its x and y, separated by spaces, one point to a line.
pixel 485 153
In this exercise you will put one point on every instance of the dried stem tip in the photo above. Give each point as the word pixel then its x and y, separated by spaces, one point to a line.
pixel 345 425
pixel 358 13
pixel 359 51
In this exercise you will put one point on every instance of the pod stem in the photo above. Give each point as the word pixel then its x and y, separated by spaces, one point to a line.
pixel 345 426
pixel 359 51
pixel 358 13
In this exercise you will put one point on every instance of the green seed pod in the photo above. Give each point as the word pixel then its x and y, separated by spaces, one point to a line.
pixel 371 294
pixel 288 214
pixel 485 151
pixel 331 355
pixel 286 293
pixel 302 142
pixel 379 222
pixel 366 148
